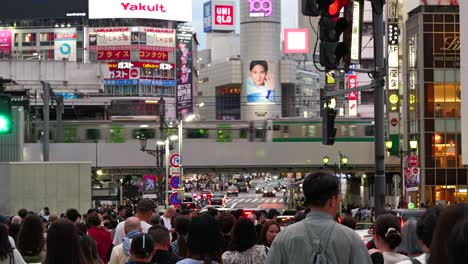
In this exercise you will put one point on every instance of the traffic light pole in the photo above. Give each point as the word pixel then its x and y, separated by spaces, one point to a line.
pixel 45 138
pixel 379 106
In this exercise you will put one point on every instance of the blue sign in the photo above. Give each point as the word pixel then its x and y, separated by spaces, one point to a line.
pixel 65 49
pixel 67 96
pixel 174 198
pixel 167 83
pixel 174 182
pixel 207 17
pixel 120 82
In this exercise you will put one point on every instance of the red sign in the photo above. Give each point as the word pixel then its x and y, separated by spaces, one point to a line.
pixel 394 121
pixel 224 15
pixel 352 82
pixel 175 160
pixel 119 74
pixel 413 161
pixel 111 29
pixel 154 55
pixel 113 55
pixel 134 73
pixel 139 64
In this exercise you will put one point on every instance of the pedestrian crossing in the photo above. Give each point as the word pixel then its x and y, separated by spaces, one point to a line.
pixel 254 200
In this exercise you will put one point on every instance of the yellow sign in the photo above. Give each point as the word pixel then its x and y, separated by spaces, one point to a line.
pixel 393 99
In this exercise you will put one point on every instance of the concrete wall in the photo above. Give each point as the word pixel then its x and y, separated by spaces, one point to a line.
pixel 212 154
pixel 35 185
pixel 63 75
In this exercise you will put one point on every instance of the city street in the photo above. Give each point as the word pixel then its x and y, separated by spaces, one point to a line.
pixel 253 200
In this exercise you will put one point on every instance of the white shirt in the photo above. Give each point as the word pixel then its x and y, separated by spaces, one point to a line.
pixel 167 224
pixel 120 232
pixel 423 259
pixel 118 256
pixel 17 256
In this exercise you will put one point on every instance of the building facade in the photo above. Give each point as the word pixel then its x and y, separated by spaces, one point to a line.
pixel 433 108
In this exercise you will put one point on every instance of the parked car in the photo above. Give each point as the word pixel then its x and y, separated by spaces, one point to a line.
pixel 232 191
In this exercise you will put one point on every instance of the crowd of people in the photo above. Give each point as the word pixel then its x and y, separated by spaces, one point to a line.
pixel 112 235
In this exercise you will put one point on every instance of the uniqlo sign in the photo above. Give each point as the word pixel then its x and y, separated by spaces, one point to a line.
pixel 224 15
pixel 352 82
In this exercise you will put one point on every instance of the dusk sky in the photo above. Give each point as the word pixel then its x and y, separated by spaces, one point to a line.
pixel 288 13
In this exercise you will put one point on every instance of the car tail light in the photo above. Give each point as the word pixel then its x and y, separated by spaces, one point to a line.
pixel 402 222
pixel 247 213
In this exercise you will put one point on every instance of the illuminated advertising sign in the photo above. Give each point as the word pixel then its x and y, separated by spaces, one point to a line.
pixel 358 7
pixel 160 37
pixel 184 96
pixel 177 10
pixel 260 82
pixel 260 8
pixel 118 36
pixel 219 16
pixel 352 96
pixel 440 2
pixel 5 40
pixel 296 40
pixel 112 55
pixel 207 17
pixel 65 44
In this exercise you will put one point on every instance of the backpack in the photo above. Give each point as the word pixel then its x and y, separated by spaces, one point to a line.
pixel 319 257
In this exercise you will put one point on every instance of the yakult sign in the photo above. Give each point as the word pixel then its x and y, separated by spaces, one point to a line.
pixel 219 16
pixel 177 10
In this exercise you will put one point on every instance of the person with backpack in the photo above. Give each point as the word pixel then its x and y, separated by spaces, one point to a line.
pixel 318 238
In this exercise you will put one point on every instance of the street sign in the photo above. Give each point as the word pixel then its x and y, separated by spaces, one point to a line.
pixel 174 182
pixel 175 160
pixel 175 171
pixel 174 198
pixel 413 161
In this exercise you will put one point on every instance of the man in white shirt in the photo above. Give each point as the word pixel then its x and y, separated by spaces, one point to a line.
pixel 144 211
pixel 121 253
pixel 167 217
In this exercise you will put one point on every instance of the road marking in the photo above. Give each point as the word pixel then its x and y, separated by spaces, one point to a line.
pixel 254 200
pixel 267 200
pixel 280 201
pixel 233 205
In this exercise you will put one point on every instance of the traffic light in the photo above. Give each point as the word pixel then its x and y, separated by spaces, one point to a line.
pixel 328 126
pixel 331 28
pixel 6 117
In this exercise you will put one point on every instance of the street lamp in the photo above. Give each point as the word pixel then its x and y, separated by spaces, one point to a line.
pixel 325 160
pixel 413 143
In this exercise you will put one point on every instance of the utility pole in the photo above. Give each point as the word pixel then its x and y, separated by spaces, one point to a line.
pixel 59 113
pixel 379 106
pixel 46 100
pixel 160 151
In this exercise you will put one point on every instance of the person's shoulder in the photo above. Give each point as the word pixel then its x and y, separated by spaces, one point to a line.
pixel 145 226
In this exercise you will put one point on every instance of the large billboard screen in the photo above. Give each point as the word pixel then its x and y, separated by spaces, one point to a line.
pixel 260 83
pixel 184 96
pixel 177 10
pixel 21 9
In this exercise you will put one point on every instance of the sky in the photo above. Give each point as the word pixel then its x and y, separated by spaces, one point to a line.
pixel 288 15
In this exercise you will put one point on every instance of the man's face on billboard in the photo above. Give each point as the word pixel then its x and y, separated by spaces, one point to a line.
pixel 258 75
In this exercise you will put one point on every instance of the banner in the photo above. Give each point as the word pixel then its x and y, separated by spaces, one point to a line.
pixel 65 44
pixel 118 36
pixel 352 96
pixel 5 41
pixel 113 55
pixel 184 96
pixel 261 82
pixel 176 10
pixel 154 55
pixel 161 37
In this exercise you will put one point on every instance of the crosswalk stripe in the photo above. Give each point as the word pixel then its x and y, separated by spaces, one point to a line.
pixel 254 200
pixel 267 200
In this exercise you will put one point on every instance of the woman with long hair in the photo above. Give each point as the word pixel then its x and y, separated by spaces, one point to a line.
pixel 204 241
pixel 8 255
pixel 63 244
pixel 269 231
pixel 441 240
pixel 30 241
pixel 181 226
pixel 387 237
pixel 243 248
pixel 89 249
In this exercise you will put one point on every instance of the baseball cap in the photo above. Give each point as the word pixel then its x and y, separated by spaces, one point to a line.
pixel 142 246
pixel 145 205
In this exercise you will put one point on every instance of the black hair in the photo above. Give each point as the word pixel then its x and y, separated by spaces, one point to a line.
pixel 349 221
pixel 237 213
pixel 155 219
pixel 181 226
pixel 205 238
pixel 63 244
pixel 93 220
pixel 5 246
pixel 427 223
pixel 272 213
pixel 387 226
pixel 319 187
pixel 213 211
pixel 244 235
pixel 89 248
pixel 22 213
pixel 30 240
pixel 262 63
pixel 458 242
pixel 299 216
pixel 72 214
pixel 227 222
pixel 160 234
pixel 445 224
